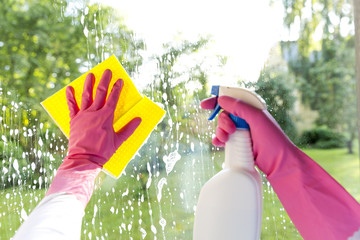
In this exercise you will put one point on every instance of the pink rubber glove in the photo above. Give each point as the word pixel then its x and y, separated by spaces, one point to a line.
pixel 319 207
pixel 92 138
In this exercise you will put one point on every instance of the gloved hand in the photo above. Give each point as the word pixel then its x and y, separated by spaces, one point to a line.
pixel 92 135
pixel 92 138
pixel 319 207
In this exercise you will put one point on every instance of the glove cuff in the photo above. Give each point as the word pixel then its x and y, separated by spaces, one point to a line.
pixel 75 176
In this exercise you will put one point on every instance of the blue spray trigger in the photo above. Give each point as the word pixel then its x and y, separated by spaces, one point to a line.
pixel 215 112
pixel 215 91
pixel 239 122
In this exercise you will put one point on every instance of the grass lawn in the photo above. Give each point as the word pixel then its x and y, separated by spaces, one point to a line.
pixel 15 204
pixel 127 209
pixel 344 167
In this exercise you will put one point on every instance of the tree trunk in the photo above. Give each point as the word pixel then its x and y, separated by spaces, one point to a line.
pixel 357 53
pixel 350 146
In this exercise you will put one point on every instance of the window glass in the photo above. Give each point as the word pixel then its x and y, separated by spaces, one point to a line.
pixel 298 55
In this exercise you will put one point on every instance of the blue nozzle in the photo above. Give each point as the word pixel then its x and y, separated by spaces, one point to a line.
pixel 215 90
pixel 239 122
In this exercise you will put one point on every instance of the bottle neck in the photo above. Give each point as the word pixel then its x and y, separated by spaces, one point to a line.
pixel 238 150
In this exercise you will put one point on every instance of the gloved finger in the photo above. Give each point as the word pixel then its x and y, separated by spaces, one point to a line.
pixel 71 102
pixel 125 132
pixel 114 94
pixel 208 103
pixel 101 90
pixel 87 95
pixel 221 134
pixel 240 109
pixel 216 142
pixel 225 122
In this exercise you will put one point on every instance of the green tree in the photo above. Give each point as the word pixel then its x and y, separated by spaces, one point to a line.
pixel 170 88
pixel 42 51
pixel 166 80
pixel 276 86
pixel 323 15
pixel 43 46
pixel 325 70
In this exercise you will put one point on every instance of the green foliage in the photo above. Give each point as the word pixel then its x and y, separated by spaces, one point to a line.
pixel 43 46
pixel 170 89
pixel 38 51
pixel 108 34
pixel 170 85
pixel 275 85
pixel 167 82
pixel 311 16
pixel 28 149
pixel 327 85
pixel 322 138
pixel 325 73
pixel 44 49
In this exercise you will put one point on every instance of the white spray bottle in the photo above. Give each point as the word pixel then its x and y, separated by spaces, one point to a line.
pixel 230 203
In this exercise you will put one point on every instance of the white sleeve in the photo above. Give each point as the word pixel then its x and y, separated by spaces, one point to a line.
pixel 356 235
pixel 58 216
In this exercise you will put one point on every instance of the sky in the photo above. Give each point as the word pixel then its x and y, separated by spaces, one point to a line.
pixel 245 31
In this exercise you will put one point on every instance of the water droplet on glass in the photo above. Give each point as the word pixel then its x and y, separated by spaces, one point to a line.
pixel 86 32
pixel 160 186
pixel 23 214
pixel 153 229
pixel 143 233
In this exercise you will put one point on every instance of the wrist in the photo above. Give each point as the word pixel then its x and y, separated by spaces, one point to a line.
pixel 279 161
pixel 75 176
pixel 79 158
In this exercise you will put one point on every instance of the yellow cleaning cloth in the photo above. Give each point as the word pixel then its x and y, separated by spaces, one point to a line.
pixel 131 104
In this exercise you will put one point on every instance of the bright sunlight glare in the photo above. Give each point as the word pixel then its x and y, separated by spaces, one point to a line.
pixel 245 31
